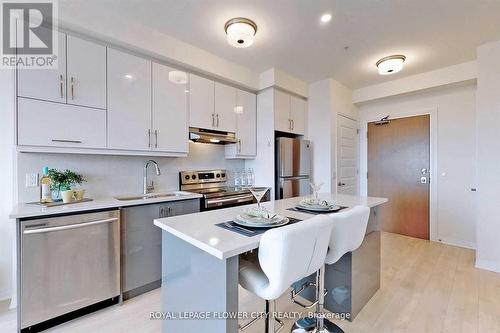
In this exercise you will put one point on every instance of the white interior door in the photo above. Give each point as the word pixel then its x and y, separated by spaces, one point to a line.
pixel 347 155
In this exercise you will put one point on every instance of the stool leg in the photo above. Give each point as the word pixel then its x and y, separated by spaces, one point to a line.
pixel 323 325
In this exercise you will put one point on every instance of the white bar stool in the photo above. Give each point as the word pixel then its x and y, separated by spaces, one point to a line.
pixel 348 233
pixel 286 255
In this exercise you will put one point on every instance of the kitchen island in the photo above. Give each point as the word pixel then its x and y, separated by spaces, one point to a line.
pixel 200 266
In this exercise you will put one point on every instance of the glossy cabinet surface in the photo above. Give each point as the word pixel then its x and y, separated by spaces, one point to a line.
pixel 282 111
pixel 298 108
pixel 45 84
pixel 129 101
pixel 170 112
pixel 201 102
pixel 246 127
pixel 225 103
pixel 86 73
pixel 289 113
pixel 60 125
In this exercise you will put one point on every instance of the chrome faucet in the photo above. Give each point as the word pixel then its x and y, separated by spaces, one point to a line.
pixel 149 187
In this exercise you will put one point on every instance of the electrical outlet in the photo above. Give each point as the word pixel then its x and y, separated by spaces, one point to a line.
pixel 32 180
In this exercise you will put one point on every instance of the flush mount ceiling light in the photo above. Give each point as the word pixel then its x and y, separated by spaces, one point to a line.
pixel 177 77
pixel 391 64
pixel 240 31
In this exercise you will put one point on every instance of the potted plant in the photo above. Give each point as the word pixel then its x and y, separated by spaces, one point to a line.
pixel 62 181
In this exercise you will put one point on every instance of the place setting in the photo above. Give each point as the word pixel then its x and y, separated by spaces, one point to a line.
pixel 256 220
pixel 316 205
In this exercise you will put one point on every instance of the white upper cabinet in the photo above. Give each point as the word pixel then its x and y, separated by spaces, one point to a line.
pixel 289 113
pixel 86 73
pixel 46 84
pixel 201 102
pixel 50 124
pixel 246 123
pixel 282 112
pixel 129 101
pixel 298 115
pixel 225 103
pixel 170 112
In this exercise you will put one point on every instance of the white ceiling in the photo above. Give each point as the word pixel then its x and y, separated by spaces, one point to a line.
pixel 431 33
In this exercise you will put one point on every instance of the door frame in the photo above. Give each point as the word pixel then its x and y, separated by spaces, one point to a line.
pixel 433 185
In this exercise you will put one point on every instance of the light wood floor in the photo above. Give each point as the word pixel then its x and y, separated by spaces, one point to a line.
pixel 426 287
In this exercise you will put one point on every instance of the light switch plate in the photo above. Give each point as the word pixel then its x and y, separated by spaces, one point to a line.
pixel 32 180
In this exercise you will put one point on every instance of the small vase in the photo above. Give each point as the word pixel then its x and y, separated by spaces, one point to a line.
pixel 67 196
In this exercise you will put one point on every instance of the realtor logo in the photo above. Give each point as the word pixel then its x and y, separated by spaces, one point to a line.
pixel 29 39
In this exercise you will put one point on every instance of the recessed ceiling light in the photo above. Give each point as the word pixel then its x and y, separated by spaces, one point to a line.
pixel 240 32
pixel 391 64
pixel 325 18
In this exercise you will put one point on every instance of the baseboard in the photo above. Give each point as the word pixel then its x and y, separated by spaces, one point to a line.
pixel 488 265
pixel 458 242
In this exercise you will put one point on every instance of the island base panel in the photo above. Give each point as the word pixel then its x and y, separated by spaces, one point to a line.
pixel 196 282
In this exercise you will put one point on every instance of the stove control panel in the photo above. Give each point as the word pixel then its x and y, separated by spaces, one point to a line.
pixel 201 177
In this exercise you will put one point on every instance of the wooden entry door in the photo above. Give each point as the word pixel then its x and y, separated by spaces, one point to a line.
pixel 398 169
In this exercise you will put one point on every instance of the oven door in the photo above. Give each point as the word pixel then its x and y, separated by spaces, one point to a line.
pixel 228 201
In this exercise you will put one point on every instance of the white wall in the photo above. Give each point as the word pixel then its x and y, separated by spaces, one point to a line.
pixel 436 78
pixel 263 164
pixel 327 99
pixel 115 175
pixel 455 137
pixel 488 157
pixel 7 227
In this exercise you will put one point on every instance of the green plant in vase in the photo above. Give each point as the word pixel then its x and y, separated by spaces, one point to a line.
pixel 63 181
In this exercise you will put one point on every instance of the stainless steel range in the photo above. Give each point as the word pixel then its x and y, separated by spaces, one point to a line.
pixel 213 185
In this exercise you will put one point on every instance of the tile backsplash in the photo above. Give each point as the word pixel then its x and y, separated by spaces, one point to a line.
pixel 113 175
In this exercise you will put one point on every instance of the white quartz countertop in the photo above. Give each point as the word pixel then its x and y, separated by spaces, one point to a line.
pixel 24 210
pixel 200 230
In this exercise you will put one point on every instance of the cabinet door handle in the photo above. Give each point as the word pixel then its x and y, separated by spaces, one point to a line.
pixel 156 138
pixel 239 145
pixel 72 88
pixel 213 119
pixel 293 124
pixel 66 141
pixel 61 87
pixel 217 120
pixel 149 138
pixel 289 124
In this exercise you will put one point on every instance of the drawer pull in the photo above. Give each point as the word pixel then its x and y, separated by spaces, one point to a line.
pixel 67 141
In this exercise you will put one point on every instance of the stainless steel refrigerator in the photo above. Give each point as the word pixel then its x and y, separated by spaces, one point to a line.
pixel 293 166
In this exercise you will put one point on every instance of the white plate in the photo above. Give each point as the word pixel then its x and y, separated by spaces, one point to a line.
pixel 319 209
pixel 281 221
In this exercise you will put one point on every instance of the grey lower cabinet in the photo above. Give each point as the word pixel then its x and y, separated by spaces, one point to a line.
pixel 141 244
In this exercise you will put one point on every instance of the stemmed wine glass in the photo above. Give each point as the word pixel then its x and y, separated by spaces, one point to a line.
pixel 316 187
pixel 258 192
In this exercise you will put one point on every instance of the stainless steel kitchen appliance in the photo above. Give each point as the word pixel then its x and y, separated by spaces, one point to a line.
pixel 293 166
pixel 214 187
pixel 67 263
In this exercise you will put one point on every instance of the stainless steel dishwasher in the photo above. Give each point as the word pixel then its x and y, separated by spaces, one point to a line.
pixel 67 263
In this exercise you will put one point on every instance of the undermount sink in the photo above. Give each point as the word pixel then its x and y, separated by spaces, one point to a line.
pixel 150 196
